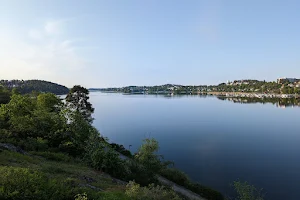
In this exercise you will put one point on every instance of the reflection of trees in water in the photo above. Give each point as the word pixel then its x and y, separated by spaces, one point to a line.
pixel 279 102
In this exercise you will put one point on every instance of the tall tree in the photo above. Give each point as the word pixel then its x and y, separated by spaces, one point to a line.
pixel 77 100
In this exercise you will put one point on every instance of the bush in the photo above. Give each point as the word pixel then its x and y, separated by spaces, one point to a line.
pixel 205 192
pixel 245 191
pixel 121 149
pixel 100 156
pixel 182 179
pixel 139 173
pixel 175 175
pixel 135 192
pixel 23 183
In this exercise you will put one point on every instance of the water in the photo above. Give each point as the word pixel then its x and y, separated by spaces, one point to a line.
pixel 215 142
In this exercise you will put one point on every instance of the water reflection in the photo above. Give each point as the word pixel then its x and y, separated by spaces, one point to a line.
pixel 278 102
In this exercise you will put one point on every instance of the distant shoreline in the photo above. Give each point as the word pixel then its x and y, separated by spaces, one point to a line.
pixel 253 95
pixel 222 94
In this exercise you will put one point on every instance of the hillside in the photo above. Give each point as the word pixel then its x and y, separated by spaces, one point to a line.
pixel 54 176
pixel 27 86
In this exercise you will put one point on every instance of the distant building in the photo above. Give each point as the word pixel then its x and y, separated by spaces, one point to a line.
pixel 287 80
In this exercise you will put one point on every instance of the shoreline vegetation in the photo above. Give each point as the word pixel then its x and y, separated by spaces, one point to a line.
pixel 221 94
pixel 49 149
pixel 282 88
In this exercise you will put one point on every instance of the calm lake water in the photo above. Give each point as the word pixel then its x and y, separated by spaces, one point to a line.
pixel 213 141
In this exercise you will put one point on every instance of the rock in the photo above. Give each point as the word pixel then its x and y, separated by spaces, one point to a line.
pixel 11 147
pixel 90 186
pixel 88 179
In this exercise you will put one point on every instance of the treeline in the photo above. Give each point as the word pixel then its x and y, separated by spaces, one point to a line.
pixel 249 86
pixel 27 86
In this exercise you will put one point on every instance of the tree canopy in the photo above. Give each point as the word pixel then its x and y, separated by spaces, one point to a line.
pixel 25 87
pixel 77 100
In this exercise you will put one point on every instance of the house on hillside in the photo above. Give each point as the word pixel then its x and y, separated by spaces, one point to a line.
pixel 287 80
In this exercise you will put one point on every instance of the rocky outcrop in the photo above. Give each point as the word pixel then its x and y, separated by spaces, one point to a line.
pixel 13 148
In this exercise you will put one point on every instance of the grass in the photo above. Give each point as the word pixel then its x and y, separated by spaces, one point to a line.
pixel 61 170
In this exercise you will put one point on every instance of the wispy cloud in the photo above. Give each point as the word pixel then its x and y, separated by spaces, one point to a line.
pixel 54 27
pixel 45 52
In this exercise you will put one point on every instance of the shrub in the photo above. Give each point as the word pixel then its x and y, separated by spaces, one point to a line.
pixel 139 173
pixel 152 192
pixel 175 175
pixel 182 179
pixel 204 191
pixel 121 149
pixel 23 183
pixel 101 157
pixel 245 191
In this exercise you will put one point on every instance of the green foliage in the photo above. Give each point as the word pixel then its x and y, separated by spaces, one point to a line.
pixel 204 191
pixel 53 156
pixel 152 192
pixel 99 155
pixel 18 114
pixel 23 183
pixel 27 116
pixel 182 179
pixel 49 102
pixel 147 155
pixel 175 175
pixel 77 100
pixel 79 131
pixel 245 191
pixel 81 196
pixel 4 95
pixel 26 87
pixel 121 149
pixel 30 144
pixel 139 173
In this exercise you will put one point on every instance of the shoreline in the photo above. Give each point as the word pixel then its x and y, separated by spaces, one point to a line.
pixel 221 94
pixel 254 95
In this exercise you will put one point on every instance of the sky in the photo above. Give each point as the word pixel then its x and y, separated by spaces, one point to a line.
pixel 116 43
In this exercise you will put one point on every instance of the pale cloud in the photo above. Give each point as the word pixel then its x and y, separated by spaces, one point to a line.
pixel 54 27
pixel 35 34
pixel 44 54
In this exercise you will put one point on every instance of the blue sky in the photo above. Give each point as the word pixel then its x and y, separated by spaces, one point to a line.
pixel 149 42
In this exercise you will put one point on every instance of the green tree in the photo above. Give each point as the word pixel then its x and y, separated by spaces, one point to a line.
pixel 148 157
pixel 49 102
pixel 18 113
pixel 77 100
pixel 4 95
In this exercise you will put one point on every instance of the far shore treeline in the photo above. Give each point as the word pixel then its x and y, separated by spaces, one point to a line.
pixel 281 86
